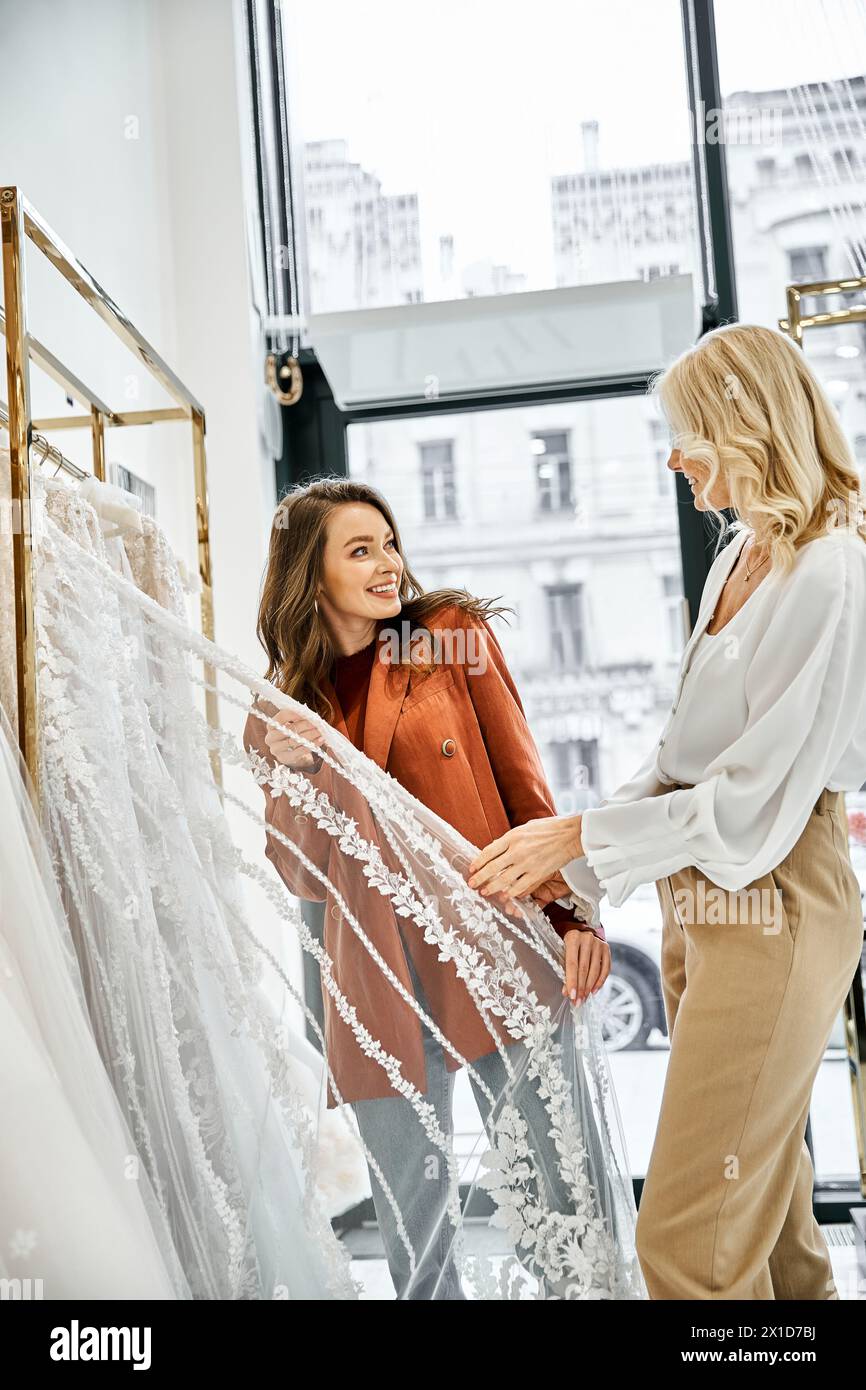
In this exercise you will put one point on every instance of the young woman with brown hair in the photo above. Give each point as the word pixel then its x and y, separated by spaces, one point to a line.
pixel 442 715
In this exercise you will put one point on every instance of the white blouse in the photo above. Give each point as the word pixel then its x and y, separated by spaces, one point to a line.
pixel 768 712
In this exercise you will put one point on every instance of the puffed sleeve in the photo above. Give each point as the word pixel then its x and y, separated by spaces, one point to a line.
pixel 805 691
pixel 645 782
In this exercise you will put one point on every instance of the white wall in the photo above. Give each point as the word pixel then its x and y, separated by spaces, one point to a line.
pixel 119 119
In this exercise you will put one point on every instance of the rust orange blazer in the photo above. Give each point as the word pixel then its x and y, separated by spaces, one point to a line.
pixel 458 740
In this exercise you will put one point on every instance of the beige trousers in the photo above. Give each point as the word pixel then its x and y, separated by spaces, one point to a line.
pixel 753 982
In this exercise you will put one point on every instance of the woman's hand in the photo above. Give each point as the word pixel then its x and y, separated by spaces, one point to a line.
pixel 587 965
pixel 286 749
pixel 550 890
pixel 524 858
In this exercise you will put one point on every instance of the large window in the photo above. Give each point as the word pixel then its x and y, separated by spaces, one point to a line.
pixel 594 642
pixel 504 157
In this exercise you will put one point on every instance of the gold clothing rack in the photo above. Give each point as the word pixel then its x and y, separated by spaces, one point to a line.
pixel 796 323
pixel 22 223
pixel 49 451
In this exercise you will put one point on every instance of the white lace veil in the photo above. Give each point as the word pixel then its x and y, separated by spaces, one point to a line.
pixel 215 1084
pixel 78 1214
pixel 184 935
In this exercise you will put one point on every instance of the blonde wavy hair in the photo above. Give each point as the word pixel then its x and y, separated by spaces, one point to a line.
pixel 745 402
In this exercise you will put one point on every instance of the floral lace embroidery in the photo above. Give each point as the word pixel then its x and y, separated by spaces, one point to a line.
pixel 570 1254
pixel 106 763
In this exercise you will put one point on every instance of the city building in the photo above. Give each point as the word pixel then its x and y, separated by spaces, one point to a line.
pixel 363 246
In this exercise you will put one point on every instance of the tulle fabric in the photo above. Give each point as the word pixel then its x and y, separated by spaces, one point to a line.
pixel 220 1094
pixel 198 1010
pixel 78 1215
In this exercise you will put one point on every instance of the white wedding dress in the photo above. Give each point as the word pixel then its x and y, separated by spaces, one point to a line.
pixel 221 1096
pixel 78 1216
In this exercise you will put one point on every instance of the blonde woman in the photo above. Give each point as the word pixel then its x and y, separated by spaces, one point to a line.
pixel 738 814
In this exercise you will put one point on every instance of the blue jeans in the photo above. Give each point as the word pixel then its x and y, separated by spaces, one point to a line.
pixel 417 1173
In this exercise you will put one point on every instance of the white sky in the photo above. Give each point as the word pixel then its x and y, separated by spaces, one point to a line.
pixel 474 104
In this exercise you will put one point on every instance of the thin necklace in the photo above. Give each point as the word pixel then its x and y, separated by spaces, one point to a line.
pixel 749 572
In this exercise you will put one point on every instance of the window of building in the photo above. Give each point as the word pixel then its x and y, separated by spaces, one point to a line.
pixel 807 263
pixel 565 612
pixel 673 602
pixel 856 253
pixel 438 480
pixel 660 445
pixel 804 167
pixel 553 471
pixel 766 169
pixel 575 764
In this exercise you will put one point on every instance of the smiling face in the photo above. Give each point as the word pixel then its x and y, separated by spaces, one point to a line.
pixel 696 474
pixel 361 570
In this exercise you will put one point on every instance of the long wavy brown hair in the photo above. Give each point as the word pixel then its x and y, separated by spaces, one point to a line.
pixel 291 630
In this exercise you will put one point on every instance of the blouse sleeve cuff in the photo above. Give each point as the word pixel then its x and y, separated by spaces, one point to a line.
pixel 638 842
pixel 581 914
pixel 586 890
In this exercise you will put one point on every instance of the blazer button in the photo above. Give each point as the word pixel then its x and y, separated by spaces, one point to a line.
pixel 449 748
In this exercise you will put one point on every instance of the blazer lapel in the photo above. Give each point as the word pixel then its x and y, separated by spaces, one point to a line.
pixel 384 698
